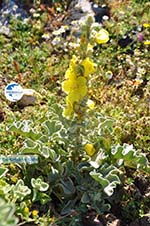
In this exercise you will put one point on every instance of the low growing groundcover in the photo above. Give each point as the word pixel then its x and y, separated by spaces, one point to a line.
pixel 74 150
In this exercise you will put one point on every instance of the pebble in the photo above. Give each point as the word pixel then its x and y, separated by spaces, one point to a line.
pixel 28 99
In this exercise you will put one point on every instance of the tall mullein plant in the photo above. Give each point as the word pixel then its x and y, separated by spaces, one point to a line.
pixel 80 70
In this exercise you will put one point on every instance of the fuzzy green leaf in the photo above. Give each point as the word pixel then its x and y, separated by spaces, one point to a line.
pixel 3 171
pixel 67 186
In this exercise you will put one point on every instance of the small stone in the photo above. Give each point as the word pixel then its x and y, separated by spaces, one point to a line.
pixel 28 99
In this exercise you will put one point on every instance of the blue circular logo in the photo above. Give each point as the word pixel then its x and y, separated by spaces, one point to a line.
pixel 13 92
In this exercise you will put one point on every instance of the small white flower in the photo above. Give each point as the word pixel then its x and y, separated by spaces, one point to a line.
pixel 95 6
pixel 25 20
pixel 60 31
pixel 96 25
pixel 46 36
pixel 36 15
pixel 90 104
pixel 15 7
pixel 141 71
pixel 109 74
pixel 4 30
pixel 32 10
pixel 74 45
pixel 56 41
pixel 105 17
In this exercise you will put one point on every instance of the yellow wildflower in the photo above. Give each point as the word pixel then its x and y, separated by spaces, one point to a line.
pixel 146 25
pixel 147 42
pixel 102 36
pixel 72 71
pixel 89 66
pixel 70 74
pixel 90 104
pixel 67 84
pixel 14 178
pixel 12 166
pixel 26 210
pixel 90 47
pixel 35 213
pixel 75 88
pixel 73 61
pixel 90 150
pixel 67 112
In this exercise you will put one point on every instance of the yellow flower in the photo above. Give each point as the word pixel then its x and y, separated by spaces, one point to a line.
pixel 73 61
pixel 66 85
pixel 67 112
pixel 12 166
pixel 102 36
pixel 89 66
pixel 72 71
pixel 26 210
pixel 90 150
pixel 14 178
pixel 75 96
pixel 70 74
pixel 90 104
pixel 79 90
pixel 90 47
pixel 35 213
pixel 146 25
pixel 75 88
pixel 74 85
pixel 147 43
